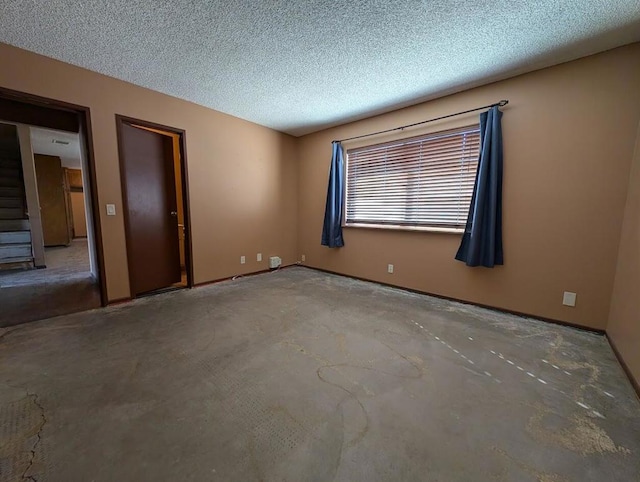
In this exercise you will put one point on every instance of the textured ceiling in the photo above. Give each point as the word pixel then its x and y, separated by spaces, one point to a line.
pixel 302 65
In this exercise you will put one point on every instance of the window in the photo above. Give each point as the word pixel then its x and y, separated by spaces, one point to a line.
pixel 424 181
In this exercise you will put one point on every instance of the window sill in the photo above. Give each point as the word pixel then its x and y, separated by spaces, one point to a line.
pixel 399 227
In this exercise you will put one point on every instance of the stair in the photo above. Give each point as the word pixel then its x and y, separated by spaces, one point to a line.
pixel 11 182
pixel 15 229
pixel 10 192
pixel 9 152
pixel 9 162
pixel 8 252
pixel 11 213
pixel 10 172
pixel 15 237
pixel 14 225
pixel 11 202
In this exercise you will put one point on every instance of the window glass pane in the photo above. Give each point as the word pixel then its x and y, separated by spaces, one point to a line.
pixel 423 181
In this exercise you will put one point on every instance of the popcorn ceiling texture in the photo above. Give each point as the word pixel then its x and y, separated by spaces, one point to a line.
pixel 300 66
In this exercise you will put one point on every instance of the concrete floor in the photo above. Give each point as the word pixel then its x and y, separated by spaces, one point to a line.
pixel 299 375
pixel 65 286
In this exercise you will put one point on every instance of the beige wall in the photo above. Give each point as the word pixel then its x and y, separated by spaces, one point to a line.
pixel 242 177
pixel 569 133
pixel 569 136
pixel 624 318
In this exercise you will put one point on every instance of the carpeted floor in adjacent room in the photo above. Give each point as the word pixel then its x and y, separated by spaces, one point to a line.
pixel 65 286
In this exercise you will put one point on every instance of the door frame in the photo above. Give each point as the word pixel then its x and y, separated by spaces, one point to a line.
pixel 83 113
pixel 188 247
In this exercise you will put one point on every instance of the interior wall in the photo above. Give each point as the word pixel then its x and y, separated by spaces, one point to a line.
pixel 89 215
pixel 624 317
pixel 242 177
pixel 569 133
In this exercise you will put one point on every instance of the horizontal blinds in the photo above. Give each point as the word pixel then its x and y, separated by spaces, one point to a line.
pixel 424 181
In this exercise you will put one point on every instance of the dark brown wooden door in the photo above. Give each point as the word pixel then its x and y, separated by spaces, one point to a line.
pixel 150 201
pixel 53 201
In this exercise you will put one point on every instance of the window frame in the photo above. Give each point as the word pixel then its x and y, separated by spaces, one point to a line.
pixel 391 226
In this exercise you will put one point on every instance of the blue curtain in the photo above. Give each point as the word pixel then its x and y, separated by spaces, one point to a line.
pixel 332 229
pixel 482 240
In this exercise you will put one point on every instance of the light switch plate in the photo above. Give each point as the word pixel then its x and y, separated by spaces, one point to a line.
pixel 111 209
pixel 569 299
pixel 259 257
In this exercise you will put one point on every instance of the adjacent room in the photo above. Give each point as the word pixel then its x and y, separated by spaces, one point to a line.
pixel 320 241
pixel 45 268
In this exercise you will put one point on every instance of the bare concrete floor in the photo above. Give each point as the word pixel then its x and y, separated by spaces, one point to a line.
pixel 302 376
pixel 65 286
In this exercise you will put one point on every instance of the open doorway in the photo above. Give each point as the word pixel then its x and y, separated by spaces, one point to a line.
pixel 45 267
pixel 50 255
pixel 155 197
pixel 64 208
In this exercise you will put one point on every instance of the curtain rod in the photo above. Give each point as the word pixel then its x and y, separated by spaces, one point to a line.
pixel 502 103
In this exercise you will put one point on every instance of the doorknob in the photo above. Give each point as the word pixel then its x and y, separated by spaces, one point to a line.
pixel 174 213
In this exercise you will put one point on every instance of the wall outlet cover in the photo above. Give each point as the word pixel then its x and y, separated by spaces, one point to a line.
pixel 569 298
pixel 111 209
pixel 243 260
pixel 390 268
pixel 304 258
pixel 259 257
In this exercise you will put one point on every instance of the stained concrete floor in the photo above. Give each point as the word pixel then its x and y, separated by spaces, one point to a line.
pixel 299 375
pixel 65 286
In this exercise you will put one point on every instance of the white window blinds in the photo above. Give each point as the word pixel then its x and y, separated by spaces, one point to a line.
pixel 422 181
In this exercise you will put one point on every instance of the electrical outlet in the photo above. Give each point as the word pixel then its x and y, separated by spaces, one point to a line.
pixel 304 258
pixel 242 260
pixel 111 209
pixel 569 298
pixel 390 268
pixel 259 257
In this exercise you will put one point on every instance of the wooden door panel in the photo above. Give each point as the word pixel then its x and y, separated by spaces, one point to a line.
pixel 52 198
pixel 79 215
pixel 150 194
